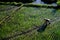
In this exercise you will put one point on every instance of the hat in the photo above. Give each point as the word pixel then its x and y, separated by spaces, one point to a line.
pixel 47 19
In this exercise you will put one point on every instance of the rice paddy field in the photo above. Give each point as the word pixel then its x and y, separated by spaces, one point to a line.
pixel 27 18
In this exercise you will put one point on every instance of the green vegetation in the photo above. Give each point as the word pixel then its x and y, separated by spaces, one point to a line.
pixel 58 2
pixel 26 18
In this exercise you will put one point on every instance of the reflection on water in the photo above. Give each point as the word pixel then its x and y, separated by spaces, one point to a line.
pixel 40 2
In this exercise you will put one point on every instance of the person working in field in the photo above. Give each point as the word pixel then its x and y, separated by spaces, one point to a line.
pixel 44 25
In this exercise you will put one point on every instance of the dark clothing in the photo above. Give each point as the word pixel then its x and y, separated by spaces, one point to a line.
pixel 43 27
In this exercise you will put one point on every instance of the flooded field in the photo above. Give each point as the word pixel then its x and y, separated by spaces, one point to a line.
pixel 18 24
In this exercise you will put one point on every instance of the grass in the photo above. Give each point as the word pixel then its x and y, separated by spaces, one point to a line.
pixel 27 18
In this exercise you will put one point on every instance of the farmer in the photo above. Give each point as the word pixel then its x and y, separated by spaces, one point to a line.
pixel 44 25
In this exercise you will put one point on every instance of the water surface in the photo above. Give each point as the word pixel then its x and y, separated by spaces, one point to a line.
pixel 40 2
